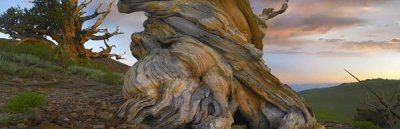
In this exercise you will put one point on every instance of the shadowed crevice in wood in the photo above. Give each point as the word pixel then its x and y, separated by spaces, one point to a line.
pixel 200 66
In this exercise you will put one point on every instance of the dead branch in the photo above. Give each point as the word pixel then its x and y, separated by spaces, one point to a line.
pixel 84 4
pixel 94 15
pixel 103 17
pixel 380 99
pixel 106 35
pixel 269 13
pixel 47 32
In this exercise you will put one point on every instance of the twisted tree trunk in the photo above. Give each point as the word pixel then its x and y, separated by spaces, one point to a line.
pixel 200 66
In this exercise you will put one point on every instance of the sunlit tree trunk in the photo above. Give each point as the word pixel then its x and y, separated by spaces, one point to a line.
pixel 200 66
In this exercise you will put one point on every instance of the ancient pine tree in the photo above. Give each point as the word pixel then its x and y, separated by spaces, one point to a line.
pixel 200 66
pixel 62 20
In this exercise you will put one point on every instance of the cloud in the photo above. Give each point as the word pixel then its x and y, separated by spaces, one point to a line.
pixel 127 22
pixel 331 47
pixel 395 40
pixel 317 53
pixel 308 17
pixel 294 25
pixel 333 40
pixel 372 46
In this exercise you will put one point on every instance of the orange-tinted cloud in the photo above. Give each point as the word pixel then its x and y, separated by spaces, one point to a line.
pixel 372 46
pixel 293 25
pixel 307 17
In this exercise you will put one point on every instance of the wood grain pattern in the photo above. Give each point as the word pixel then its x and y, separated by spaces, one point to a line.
pixel 200 66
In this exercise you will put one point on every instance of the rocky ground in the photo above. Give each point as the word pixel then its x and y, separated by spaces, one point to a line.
pixel 334 125
pixel 73 103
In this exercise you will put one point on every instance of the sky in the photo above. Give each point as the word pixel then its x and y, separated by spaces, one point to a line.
pixel 313 42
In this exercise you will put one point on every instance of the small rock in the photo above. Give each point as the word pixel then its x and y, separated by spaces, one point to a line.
pixel 46 125
pixel 37 114
pixel 239 127
pixel 79 108
pixel 103 106
pixel 20 126
pixel 112 108
pixel 104 115
pixel 66 119
pixel 112 123
pixel 35 127
pixel 53 116
pixel 99 126
pixel 98 101
pixel 74 115
pixel 17 80
pixel 27 122
pixel 91 102
pixel 89 113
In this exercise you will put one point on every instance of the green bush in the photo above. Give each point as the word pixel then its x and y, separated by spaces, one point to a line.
pixel 55 68
pixel 25 59
pixel 8 67
pixel 88 64
pixel 24 102
pixel 96 74
pixel 39 50
pixel 34 72
pixel 5 118
pixel 364 125
pixel 30 60
pixel 86 72
pixel 112 79
pixel 377 117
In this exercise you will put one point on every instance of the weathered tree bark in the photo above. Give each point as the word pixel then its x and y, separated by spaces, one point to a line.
pixel 73 36
pixel 200 66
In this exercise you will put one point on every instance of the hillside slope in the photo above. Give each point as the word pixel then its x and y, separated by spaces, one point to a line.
pixel 37 90
pixel 339 103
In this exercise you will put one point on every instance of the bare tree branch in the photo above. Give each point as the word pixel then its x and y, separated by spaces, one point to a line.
pixel 55 37
pixel 89 32
pixel 94 15
pixel 102 18
pixel 269 13
pixel 106 35
pixel 380 99
pixel 105 53
pixel 84 4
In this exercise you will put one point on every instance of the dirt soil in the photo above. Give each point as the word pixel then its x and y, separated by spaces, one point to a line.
pixel 73 103
pixel 76 103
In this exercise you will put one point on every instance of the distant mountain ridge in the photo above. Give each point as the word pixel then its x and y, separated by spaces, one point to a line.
pixel 308 86
pixel 339 103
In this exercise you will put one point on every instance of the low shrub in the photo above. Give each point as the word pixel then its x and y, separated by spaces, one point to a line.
pixel 377 117
pixel 24 102
pixel 25 59
pixel 55 68
pixel 96 74
pixel 112 78
pixel 86 72
pixel 39 50
pixel 5 118
pixel 30 60
pixel 8 67
pixel 34 72
pixel 364 125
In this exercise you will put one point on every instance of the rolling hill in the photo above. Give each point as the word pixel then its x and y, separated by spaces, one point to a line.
pixel 339 103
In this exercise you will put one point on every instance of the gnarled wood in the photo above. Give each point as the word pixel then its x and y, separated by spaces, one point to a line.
pixel 200 66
